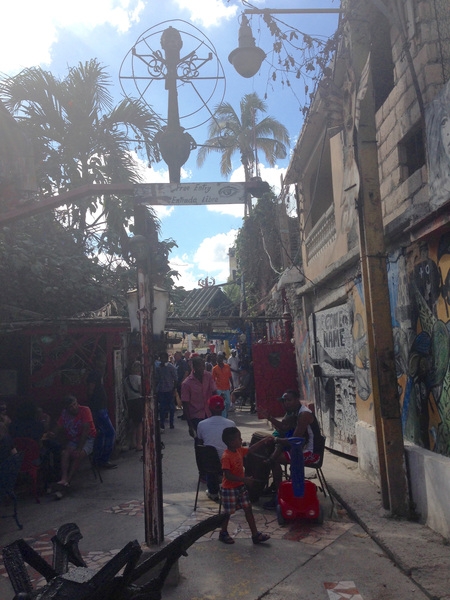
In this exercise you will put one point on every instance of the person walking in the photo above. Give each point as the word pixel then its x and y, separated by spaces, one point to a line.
pixel 222 378
pixel 196 390
pixel 233 361
pixel 234 491
pixel 166 382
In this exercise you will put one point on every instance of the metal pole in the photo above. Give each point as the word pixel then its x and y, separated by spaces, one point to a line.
pixel 153 501
pixel 292 11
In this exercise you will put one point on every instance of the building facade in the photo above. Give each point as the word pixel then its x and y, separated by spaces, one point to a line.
pixel 371 171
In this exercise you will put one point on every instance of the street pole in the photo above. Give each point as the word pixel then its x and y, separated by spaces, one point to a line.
pixel 153 500
pixel 393 478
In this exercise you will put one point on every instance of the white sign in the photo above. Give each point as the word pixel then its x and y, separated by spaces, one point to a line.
pixel 179 194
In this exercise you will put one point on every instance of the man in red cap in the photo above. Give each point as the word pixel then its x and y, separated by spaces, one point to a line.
pixel 209 433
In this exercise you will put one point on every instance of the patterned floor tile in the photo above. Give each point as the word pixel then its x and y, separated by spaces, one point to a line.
pixel 302 531
pixel 132 508
pixel 342 590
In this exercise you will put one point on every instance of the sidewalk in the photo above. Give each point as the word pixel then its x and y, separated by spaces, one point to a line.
pixel 419 552
pixel 111 514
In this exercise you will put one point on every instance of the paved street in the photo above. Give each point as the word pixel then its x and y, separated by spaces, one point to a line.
pixel 331 561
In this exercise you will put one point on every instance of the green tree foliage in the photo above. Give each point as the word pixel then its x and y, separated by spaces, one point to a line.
pixel 75 259
pixel 230 133
pixel 258 251
pixel 79 137
pixel 43 270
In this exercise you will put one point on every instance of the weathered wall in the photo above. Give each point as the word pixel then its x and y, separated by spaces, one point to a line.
pixel 430 487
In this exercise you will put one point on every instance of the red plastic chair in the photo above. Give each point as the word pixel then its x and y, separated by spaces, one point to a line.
pixel 31 462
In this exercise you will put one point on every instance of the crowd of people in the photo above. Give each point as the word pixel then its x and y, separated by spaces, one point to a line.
pixel 207 389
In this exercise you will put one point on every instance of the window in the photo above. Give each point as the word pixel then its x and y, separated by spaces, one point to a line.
pixel 411 151
pixel 381 59
pixel 320 194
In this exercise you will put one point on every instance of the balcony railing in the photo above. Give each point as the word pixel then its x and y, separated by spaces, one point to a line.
pixel 322 235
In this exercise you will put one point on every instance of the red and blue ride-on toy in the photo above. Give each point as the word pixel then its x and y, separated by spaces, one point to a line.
pixel 297 498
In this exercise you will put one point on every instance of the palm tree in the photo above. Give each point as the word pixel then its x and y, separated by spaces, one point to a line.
pixel 229 133
pixel 80 138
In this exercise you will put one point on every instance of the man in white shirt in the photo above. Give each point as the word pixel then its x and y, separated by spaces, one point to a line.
pixel 233 361
pixel 209 433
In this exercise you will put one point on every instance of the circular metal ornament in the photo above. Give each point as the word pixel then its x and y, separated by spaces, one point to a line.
pixel 200 75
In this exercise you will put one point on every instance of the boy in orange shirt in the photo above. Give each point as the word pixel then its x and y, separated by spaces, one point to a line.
pixel 234 492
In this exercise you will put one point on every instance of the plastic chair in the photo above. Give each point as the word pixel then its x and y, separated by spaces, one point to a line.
pixel 31 462
pixel 208 463
pixel 9 470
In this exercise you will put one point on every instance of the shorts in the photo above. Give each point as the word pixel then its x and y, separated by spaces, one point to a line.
pixel 309 458
pixel 135 410
pixel 235 498
pixel 88 446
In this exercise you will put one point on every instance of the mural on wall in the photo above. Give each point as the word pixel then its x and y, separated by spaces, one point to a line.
pixel 336 397
pixel 437 119
pixel 419 288
pixel 301 343
pixel 361 360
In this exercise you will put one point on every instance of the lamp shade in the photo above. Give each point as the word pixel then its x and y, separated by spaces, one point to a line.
pixel 160 309
pixel 247 58
pixel 247 61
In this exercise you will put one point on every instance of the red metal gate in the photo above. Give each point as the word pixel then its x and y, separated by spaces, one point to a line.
pixel 275 371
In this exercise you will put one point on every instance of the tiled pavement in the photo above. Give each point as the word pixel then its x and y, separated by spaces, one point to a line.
pixel 302 531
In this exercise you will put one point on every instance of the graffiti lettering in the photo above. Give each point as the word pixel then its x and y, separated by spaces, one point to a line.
pixel 334 338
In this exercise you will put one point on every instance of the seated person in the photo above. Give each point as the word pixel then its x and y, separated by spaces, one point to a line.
pixel 76 424
pixel 43 418
pixel 7 448
pixel 284 428
pixel 4 414
pixel 25 424
pixel 306 427
pixel 209 433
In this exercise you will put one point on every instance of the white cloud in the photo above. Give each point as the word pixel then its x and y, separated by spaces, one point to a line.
pixel 209 260
pixel 184 267
pixel 28 32
pixel 208 12
pixel 211 256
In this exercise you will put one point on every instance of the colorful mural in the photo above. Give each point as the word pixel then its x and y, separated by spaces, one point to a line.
pixel 420 298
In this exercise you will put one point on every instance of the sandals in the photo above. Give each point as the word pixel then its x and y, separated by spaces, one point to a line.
pixel 259 538
pixel 225 537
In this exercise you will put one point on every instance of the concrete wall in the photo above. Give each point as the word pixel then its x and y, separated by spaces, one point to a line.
pixel 430 487
pixel 429 475
pixel 367 451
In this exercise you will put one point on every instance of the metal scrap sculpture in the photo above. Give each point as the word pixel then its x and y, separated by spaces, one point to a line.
pixel 82 583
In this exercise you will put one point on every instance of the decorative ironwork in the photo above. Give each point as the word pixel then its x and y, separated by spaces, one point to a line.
pixel 199 72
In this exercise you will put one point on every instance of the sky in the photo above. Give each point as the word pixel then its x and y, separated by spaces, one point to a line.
pixel 58 34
